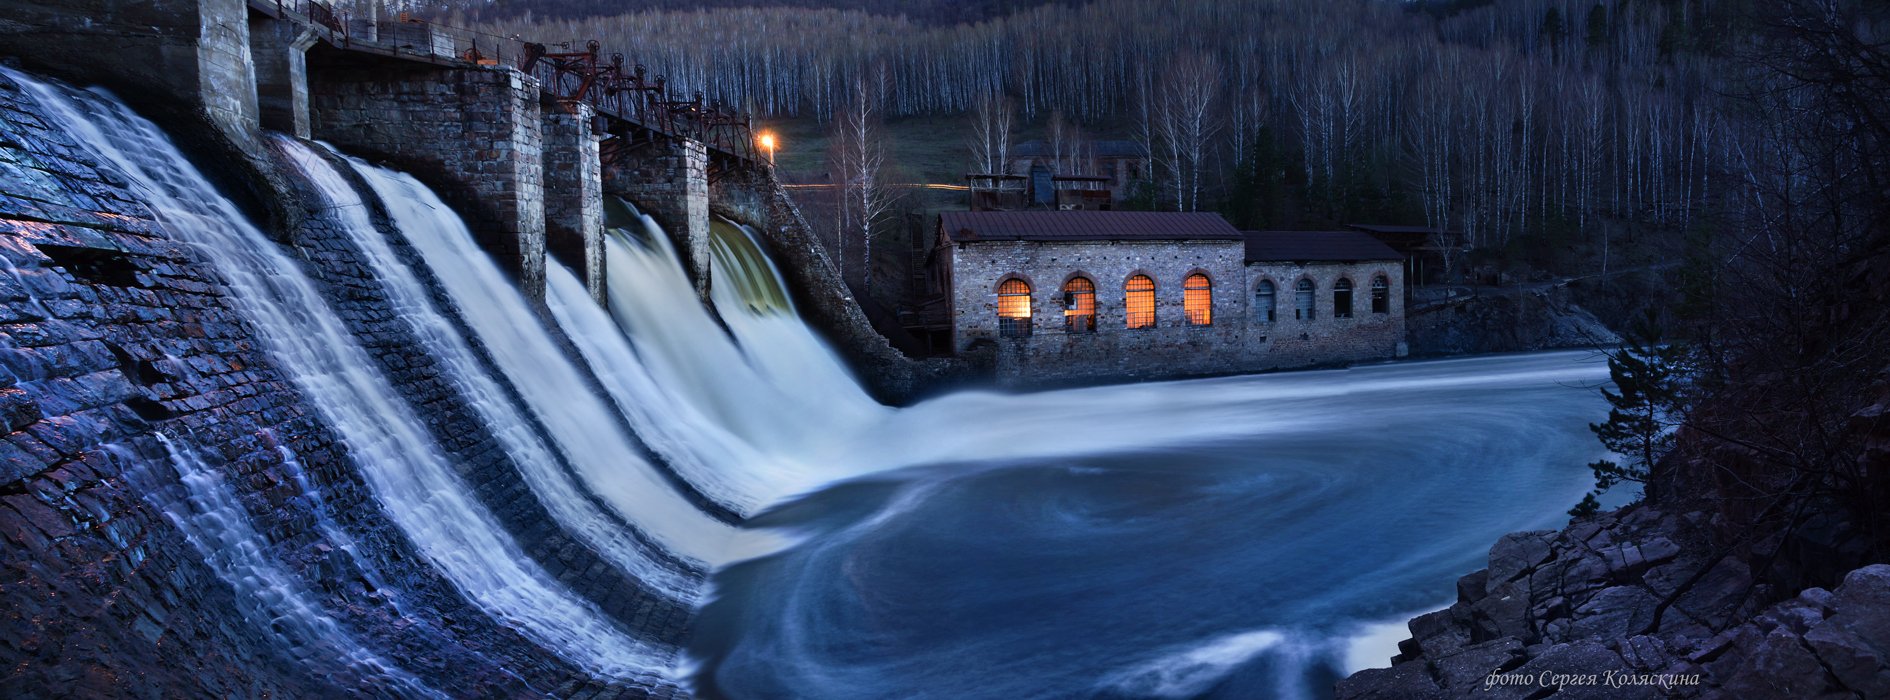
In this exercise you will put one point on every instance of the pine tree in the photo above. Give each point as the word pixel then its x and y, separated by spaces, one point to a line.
pixel 1647 404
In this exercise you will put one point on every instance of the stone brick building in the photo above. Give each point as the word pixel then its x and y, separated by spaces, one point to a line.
pixel 1083 295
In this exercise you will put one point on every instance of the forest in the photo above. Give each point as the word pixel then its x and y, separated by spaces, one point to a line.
pixel 1541 134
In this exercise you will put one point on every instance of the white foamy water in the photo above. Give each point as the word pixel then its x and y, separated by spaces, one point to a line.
pixel 269 597
pixel 1190 671
pixel 538 462
pixel 408 473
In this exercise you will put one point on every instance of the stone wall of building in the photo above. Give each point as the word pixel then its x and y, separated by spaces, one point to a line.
pixel 669 180
pixel 1113 351
pixel 574 194
pixel 1236 341
pixel 474 135
pixel 1327 337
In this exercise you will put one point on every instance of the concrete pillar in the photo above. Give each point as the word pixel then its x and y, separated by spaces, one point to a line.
pixel 160 54
pixel 364 23
pixel 669 180
pixel 574 193
pixel 474 135
pixel 280 53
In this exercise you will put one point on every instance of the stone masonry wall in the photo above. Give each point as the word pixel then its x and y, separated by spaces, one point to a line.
pixel 669 180
pixel 472 134
pixel 1326 338
pixel 177 55
pixel 1113 350
pixel 1236 341
pixel 279 51
pixel 574 194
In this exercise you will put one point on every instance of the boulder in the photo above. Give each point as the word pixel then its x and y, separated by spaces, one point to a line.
pixel 1773 665
pixel 1854 643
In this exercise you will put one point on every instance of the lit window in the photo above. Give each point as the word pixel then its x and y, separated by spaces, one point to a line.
pixel 1014 309
pixel 1381 295
pixel 1263 302
pixel 1303 300
pixel 1139 299
pixel 1342 299
pixel 1079 305
pixel 1197 300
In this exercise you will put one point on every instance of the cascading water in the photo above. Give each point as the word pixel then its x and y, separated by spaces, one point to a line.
pixel 406 470
pixel 271 598
pixel 539 464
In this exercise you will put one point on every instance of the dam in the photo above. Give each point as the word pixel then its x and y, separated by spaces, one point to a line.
pixel 304 414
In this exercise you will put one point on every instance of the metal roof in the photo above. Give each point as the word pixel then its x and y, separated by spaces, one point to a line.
pixel 964 226
pixel 1298 246
pixel 1394 228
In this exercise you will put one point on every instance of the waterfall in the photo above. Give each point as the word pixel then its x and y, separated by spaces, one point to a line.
pixel 270 598
pixel 539 463
pixel 607 458
pixel 397 456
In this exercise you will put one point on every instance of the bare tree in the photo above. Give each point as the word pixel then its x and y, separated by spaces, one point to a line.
pixel 859 162
pixel 1185 124
pixel 990 137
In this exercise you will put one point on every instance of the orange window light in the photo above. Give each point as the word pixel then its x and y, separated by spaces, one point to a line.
pixel 1139 300
pixel 1197 300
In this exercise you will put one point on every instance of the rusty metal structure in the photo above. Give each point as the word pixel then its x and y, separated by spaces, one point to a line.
pixel 629 102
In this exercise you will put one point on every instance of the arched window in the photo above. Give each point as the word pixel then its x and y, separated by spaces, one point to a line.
pixel 1079 305
pixel 1303 300
pixel 1381 295
pixel 1014 309
pixel 1342 299
pixel 1263 302
pixel 1139 300
pixel 1197 299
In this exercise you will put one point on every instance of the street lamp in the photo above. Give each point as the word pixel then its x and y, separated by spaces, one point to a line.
pixel 767 143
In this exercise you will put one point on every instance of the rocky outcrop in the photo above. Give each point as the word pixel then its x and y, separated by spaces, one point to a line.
pixel 1494 320
pixel 1638 604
